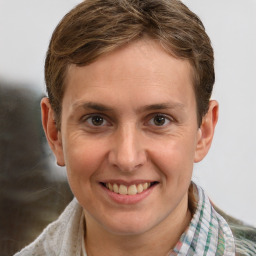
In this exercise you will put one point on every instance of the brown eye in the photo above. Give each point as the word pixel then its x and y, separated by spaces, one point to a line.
pixel 96 121
pixel 159 120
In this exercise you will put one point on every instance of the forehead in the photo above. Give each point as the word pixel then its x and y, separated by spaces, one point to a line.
pixel 140 68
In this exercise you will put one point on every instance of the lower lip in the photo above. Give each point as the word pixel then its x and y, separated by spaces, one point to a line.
pixel 128 199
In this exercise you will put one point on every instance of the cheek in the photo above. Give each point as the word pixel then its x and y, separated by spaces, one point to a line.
pixel 83 158
pixel 175 157
pixel 83 162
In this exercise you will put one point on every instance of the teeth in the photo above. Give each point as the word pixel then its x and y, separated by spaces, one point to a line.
pixel 115 188
pixel 130 190
pixel 140 188
pixel 145 185
pixel 110 187
pixel 123 190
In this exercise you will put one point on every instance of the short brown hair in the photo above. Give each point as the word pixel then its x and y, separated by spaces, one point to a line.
pixel 96 27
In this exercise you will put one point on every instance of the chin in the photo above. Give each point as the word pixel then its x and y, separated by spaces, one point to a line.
pixel 130 225
pixel 127 230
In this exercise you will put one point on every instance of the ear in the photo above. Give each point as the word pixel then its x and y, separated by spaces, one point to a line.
pixel 206 131
pixel 52 133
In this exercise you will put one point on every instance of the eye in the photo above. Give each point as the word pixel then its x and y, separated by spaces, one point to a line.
pixel 159 120
pixel 96 120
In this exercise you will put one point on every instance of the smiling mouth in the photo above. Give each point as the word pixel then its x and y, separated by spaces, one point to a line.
pixel 129 190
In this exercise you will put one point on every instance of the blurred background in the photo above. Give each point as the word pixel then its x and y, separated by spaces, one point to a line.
pixel 33 190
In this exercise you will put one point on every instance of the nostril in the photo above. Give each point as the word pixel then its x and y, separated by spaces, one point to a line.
pixel 127 151
pixel 126 162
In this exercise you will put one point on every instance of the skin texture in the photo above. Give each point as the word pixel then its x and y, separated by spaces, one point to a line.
pixel 126 93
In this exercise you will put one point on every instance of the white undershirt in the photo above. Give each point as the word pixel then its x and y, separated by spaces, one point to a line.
pixel 83 249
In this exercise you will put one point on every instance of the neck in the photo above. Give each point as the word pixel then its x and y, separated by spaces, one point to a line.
pixel 157 241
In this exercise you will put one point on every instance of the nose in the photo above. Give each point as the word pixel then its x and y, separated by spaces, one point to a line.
pixel 127 152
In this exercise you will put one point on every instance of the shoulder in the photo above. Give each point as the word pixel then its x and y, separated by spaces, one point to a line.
pixel 245 238
pixel 63 232
pixel 244 235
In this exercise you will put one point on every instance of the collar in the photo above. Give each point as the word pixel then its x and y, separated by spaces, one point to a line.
pixel 208 233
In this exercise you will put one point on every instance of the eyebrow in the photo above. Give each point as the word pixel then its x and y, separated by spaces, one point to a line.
pixel 173 105
pixel 93 106
pixel 151 107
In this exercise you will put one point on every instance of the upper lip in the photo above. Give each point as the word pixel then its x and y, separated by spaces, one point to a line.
pixel 127 183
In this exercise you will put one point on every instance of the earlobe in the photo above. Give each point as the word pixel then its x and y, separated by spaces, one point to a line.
pixel 206 131
pixel 52 133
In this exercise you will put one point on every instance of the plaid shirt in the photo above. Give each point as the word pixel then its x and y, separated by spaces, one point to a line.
pixel 208 233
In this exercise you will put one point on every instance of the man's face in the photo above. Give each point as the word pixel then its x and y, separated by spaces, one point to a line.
pixel 129 124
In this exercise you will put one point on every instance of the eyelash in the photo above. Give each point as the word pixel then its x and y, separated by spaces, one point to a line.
pixel 150 119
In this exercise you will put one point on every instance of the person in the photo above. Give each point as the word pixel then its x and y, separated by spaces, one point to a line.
pixel 128 113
